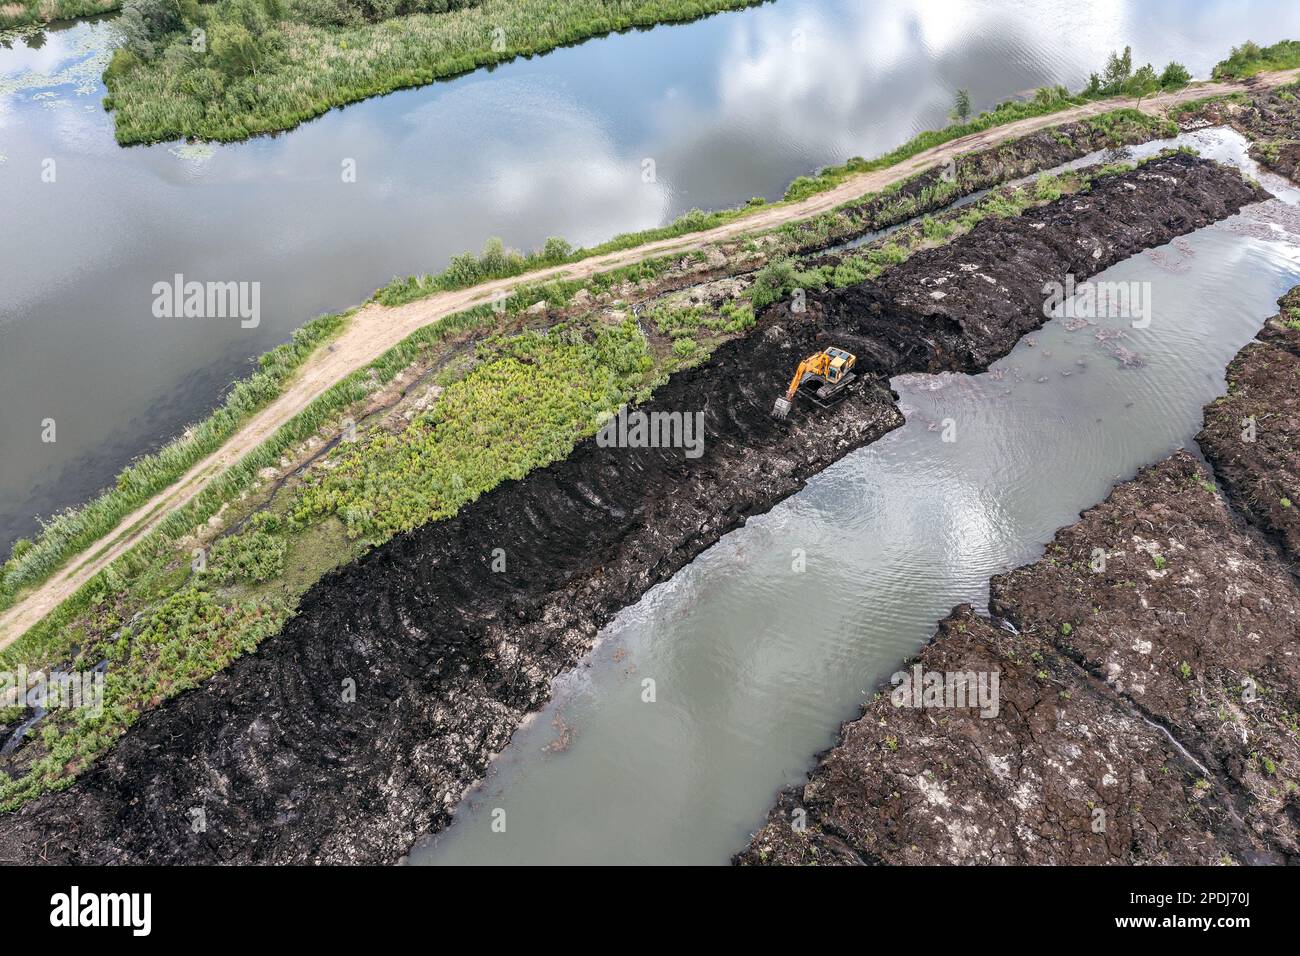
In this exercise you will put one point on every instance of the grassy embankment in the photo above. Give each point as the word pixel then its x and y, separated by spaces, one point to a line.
pixel 20 13
pixel 1250 58
pixel 524 398
pixel 267 65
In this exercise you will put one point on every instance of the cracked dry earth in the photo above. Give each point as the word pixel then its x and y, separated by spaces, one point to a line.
pixel 1149 681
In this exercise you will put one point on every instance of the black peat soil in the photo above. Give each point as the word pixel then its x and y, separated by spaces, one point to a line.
pixel 1148 671
pixel 449 656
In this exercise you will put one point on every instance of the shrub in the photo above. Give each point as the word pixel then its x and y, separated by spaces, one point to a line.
pixel 256 554
pixel 1047 188
pixel 556 250
pixel 1249 59
pixel 145 24
pixel 772 282
pixel 1174 76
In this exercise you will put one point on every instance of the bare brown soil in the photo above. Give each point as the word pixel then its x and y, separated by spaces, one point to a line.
pixel 1251 434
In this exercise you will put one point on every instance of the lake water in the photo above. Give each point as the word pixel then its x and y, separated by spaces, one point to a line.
pixel 755 666
pixel 728 108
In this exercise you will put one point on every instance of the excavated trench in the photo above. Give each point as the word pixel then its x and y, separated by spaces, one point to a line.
pixel 1145 702
pixel 448 653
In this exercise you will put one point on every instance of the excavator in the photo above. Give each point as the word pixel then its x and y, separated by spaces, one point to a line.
pixel 830 368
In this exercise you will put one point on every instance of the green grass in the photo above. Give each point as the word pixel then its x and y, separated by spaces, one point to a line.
pixel 18 13
pixel 164 628
pixel 302 62
pixel 70 532
pixel 1250 58
pixel 526 404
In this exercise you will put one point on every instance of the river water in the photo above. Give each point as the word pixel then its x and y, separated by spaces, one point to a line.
pixel 728 108
pixel 755 665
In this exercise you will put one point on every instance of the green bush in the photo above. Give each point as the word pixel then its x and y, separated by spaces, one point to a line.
pixel 772 283
pixel 1047 188
pixel 525 404
pixel 255 555
pixel 685 347
pixel 1175 75
pixel 1249 58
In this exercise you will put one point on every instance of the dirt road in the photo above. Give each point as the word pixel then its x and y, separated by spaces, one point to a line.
pixel 376 328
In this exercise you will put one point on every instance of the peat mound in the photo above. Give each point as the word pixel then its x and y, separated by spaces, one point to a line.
pixel 1146 687
pixel 357 728
pixel 1252 434
pixel 1147 670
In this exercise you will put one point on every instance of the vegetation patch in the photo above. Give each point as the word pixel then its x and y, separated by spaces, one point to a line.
pixel 1250 58
pixel 68 533
pixel 527 402
pixel 17 13
pixel 236 68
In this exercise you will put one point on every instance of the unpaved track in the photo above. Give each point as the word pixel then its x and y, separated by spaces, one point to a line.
pixel 376 328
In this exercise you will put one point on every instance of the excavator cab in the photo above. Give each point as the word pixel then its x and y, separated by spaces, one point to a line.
pixel 826 373
pixel 839 364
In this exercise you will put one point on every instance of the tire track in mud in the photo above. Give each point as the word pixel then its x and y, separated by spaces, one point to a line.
pixel 448 655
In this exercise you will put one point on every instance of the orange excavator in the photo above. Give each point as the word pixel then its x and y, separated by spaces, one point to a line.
pixel 827 374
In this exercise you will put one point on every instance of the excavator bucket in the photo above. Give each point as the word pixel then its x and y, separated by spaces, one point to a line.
pixel 781 409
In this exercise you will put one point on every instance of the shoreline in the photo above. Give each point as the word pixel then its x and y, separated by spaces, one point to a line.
pixel 491 662
pixel 1153 684
pixel 375 331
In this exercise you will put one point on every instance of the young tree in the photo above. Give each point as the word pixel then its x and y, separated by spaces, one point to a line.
pixel 961 106
pixel 236 51
pixel 1118 70
pixel 1142 83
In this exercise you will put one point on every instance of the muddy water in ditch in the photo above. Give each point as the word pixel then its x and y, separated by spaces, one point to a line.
pixel 728 108
pixel 755 664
